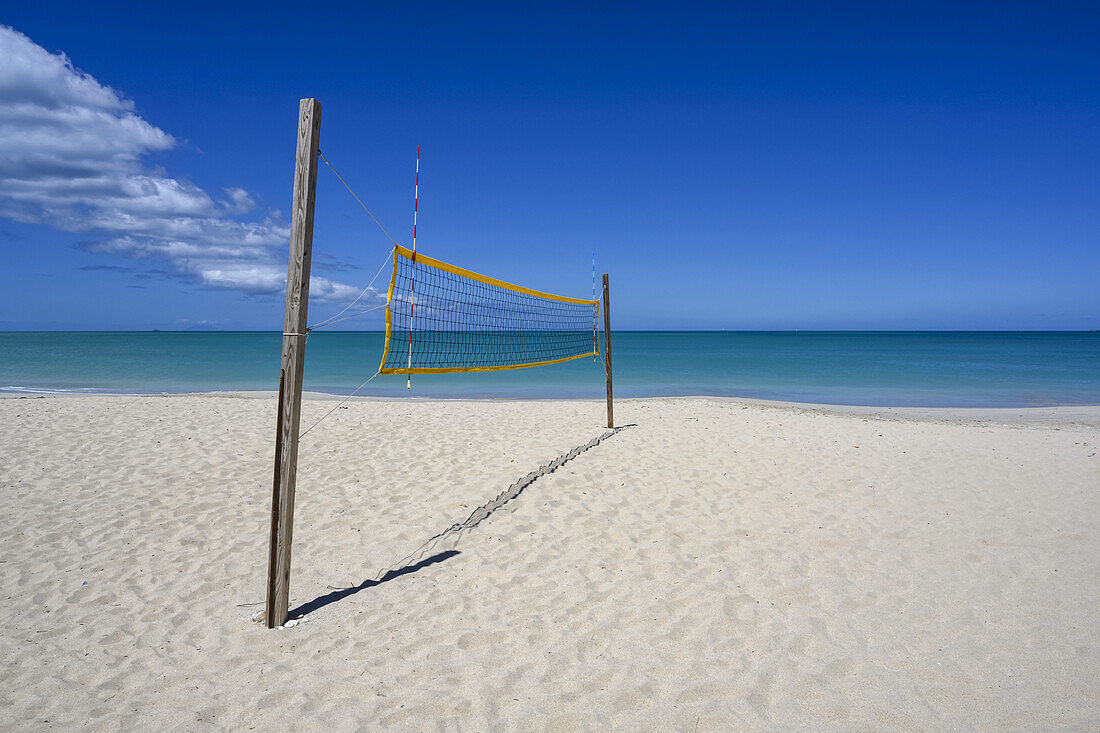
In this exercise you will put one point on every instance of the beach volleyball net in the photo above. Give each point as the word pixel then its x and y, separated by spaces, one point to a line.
pixel 441 318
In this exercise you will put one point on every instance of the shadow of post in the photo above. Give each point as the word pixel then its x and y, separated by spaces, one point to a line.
pixel 342 593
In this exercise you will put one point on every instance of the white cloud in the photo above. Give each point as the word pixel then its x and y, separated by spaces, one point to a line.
pixel 239 200
pixel 71 154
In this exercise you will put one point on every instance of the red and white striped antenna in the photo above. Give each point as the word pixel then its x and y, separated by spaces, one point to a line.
pixel 416 195
pixel 412 287
pixel 595 310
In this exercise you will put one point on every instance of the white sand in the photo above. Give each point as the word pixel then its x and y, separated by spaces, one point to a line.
pixel 721 565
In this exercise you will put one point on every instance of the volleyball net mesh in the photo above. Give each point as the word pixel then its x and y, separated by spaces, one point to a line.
pixel 441 318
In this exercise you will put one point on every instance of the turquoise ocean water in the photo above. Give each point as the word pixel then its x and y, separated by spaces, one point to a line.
pixel 948 369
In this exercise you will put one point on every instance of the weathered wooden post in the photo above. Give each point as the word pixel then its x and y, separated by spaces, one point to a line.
pixel 290 376
pixel 607 348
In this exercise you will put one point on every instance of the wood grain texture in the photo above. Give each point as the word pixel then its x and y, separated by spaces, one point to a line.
pixel 607 348
pixel 294 342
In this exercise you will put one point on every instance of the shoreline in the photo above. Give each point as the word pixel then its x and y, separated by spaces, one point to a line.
pixel 1045 414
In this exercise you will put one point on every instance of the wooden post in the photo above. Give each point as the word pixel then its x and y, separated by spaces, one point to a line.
pixel 290 376
pixel 607 347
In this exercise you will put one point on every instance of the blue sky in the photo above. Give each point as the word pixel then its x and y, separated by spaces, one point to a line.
pixel 773 167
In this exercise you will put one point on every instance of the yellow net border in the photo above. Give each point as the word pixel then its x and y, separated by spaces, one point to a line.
pixel 424 260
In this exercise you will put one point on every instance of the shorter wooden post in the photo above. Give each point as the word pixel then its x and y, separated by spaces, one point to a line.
pixel 607 348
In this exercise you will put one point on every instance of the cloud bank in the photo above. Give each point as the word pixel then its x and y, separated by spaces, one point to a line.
pixel 71 154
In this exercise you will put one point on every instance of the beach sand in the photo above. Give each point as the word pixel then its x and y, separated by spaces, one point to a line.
pixel 717 564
